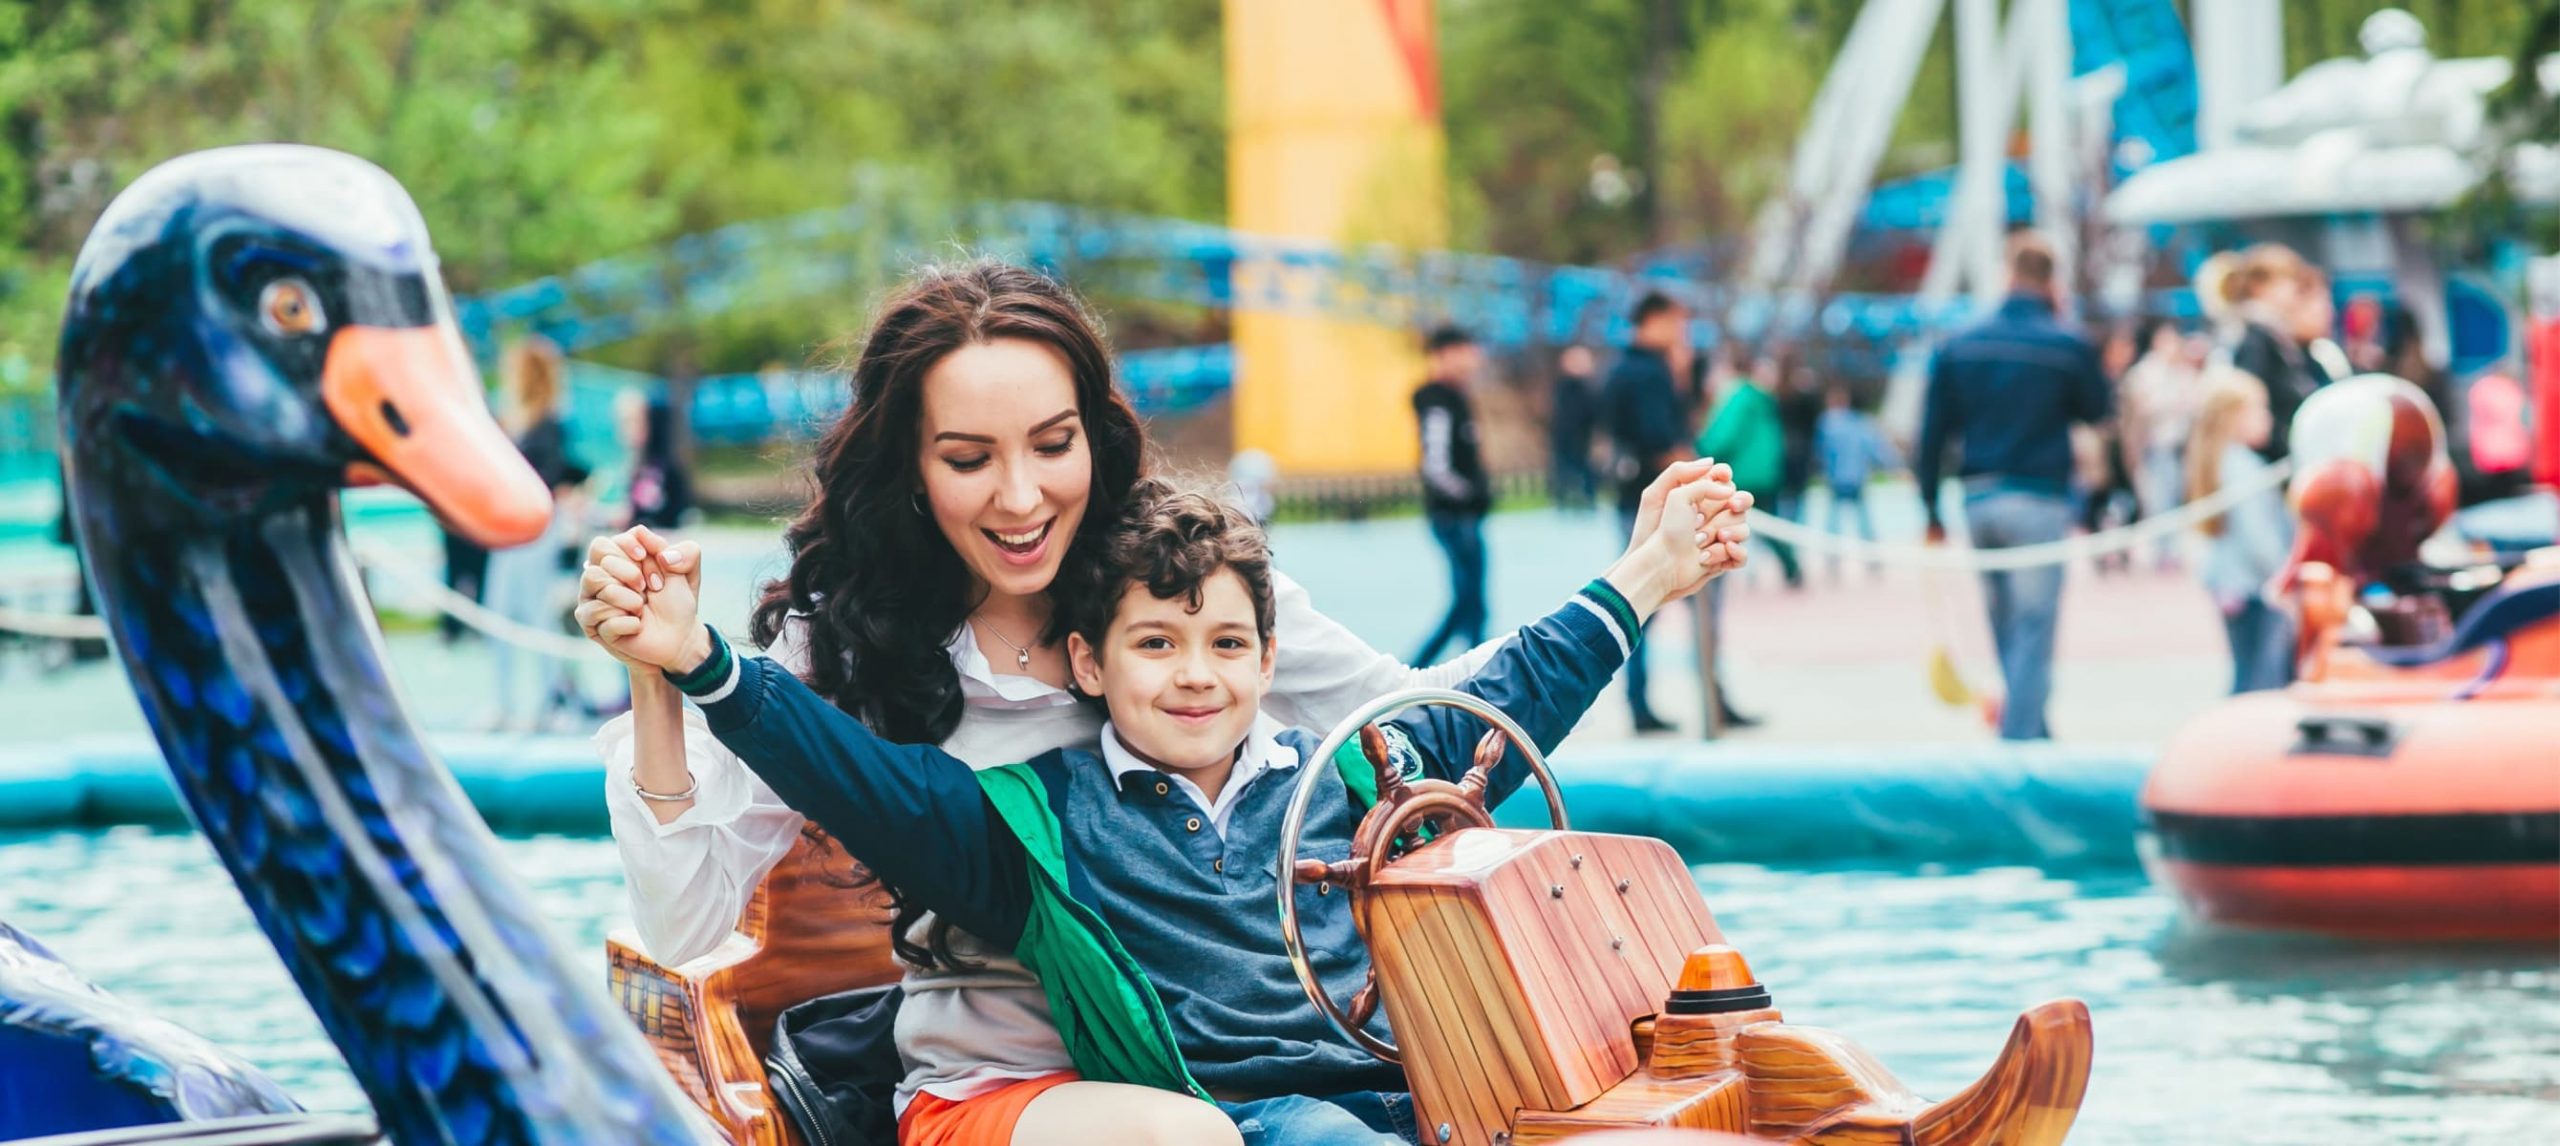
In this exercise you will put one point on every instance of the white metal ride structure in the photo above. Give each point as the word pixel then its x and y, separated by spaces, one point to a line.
pixel 1799 240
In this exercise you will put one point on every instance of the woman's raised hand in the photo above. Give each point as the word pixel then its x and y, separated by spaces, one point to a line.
pixel 638 599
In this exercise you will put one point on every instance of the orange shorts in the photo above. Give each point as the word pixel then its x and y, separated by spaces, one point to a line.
pixel 986 1120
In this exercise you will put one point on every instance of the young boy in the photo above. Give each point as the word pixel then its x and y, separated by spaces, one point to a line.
pixel 1138 882
pixel 1851 448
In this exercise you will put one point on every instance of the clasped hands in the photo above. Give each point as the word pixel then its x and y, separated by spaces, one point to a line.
pixel 639 595
pixel 1692 525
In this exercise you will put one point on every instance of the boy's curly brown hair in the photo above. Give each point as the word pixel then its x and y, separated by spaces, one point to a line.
pixel 1172 539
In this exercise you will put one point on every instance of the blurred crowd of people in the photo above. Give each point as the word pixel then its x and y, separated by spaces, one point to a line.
pixel 2045 426
pixel 534 585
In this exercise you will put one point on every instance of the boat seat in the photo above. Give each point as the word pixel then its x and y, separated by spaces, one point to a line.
pixel 2493 617
pixel 815 926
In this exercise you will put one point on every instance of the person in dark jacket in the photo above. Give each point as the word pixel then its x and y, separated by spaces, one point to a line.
pixel 1455 492
pixel 2009 391
pixel 1799 411
pixel 1648 430
pixel 660 485
pixel 1574 412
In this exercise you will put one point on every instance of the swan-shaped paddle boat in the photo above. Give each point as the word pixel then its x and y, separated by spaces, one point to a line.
pixel 249 329
pixel 252 328
pixel 2405 788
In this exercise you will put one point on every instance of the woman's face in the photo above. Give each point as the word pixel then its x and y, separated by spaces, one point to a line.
pixel 631 420
pixel 1006 468
pixel 2314 312
pixel 2280 293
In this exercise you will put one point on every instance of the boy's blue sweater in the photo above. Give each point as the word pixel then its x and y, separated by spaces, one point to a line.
pixel 1195 911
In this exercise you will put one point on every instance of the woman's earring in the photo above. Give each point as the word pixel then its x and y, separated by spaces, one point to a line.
pixel 916 500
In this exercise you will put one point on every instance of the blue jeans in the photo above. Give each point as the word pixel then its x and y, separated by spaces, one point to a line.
pixel 1573 481
pixel 1788 505
pixel 2024 603
pixel 2261 647
pixel 1846 500
pixel 1374 1117
pixel 1461 536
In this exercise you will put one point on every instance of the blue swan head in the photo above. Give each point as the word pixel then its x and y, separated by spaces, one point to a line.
pixel 249 330
pixel 255 322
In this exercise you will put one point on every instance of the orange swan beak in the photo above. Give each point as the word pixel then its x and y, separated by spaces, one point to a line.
pixel 410 397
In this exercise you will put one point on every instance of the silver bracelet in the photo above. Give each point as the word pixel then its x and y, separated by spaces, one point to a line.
pixel 664 798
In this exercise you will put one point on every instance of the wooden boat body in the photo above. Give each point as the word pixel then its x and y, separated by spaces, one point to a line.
pixel 1531 977
pixel 1538 979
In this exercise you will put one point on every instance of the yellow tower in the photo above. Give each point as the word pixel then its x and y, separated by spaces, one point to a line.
pixel 1333 116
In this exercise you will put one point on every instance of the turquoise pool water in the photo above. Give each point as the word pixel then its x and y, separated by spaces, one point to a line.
pixel 2201 1037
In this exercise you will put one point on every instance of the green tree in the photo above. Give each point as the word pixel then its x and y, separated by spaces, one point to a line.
pixel 537 135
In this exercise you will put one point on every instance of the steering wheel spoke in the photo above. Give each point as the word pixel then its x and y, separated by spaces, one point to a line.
pixel 1364 1002
pixel 1345 875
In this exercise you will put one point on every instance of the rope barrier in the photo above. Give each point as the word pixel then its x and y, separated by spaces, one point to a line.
pixel 494 625
pixel 58 626
pixel 2068 549
pixel 497 626
pixel 489 623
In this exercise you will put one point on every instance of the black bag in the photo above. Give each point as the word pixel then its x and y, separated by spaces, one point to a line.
pixel 834 1068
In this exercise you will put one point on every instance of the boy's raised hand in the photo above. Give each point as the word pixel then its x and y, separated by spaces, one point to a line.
pixel 638 598
pixel 1690 526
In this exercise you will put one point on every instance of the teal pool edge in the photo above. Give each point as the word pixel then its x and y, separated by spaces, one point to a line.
pixel 2039 804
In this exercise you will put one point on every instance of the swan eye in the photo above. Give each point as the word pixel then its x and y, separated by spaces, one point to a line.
pixel 289 307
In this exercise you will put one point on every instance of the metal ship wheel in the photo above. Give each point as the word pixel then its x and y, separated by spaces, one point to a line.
pixel 1410 812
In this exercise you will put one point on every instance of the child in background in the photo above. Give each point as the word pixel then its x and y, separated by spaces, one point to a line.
pixel 2246 545
pixel 1137 881
pixel 1850 448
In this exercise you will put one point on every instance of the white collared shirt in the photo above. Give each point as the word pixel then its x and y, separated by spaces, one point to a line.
pixel 1261 752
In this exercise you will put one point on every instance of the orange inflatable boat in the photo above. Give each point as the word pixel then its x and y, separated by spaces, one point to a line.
pixel 2407 787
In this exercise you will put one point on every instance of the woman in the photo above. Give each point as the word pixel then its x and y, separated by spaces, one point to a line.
pixel 524 584
pixel 2157 400
pixel 2269 291
pixel 960 505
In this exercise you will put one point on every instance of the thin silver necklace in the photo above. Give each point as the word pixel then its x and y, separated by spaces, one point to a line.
pixel 1021 653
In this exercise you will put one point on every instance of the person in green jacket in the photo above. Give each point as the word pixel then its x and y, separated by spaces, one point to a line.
pixel 1744 432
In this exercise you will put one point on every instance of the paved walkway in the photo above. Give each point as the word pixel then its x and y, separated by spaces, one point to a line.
pixel 1844 660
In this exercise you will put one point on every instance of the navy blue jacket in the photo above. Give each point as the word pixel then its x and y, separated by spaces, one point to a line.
pixel 1193 909
pixel 1642 408
pixel 2009 390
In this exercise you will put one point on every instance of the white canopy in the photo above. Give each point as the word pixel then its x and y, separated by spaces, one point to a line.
pixel 2396 131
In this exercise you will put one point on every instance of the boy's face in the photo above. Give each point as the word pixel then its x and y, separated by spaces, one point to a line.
pixel 1183 687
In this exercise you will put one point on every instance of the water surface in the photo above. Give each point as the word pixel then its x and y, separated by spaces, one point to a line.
pixel 2202 1037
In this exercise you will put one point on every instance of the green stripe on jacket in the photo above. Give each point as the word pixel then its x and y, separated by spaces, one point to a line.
pixel 1106 1009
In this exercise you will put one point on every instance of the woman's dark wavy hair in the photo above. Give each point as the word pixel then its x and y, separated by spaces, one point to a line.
pixel 880 590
